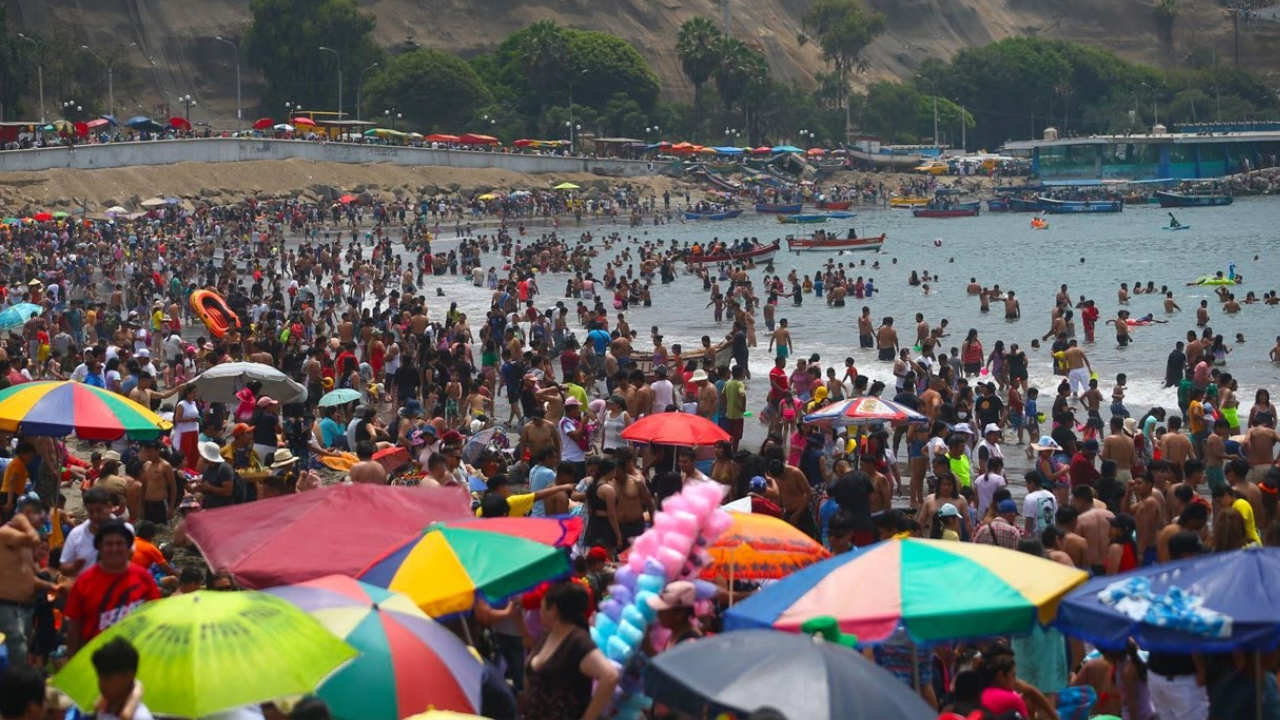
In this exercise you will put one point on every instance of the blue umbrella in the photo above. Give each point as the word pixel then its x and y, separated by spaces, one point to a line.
pixel 1243 585
pixel 740 672
pixel 787 149
pixel 111 119
pixel 18 315
pixel 139 121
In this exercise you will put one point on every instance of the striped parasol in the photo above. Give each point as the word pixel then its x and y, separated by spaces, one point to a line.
pixel 58 409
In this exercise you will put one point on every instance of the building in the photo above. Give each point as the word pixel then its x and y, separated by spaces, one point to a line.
pixel 1207 150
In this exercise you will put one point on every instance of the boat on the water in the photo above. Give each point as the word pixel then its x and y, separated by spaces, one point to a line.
pixel 823 241
pixel 998 205
pixel 777 209
pixel 841 215
pixel 1064 207
pixel 841 205
pixel 1169 199
pixel 721 352
pixel 758 253
pixel 907 203
pixel 723 215
pixel 801 219
pixel 948 210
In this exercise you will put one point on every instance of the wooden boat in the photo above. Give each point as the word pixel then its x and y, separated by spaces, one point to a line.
pixel 1070 207
pixel 998 205
pixel 214 312
pixel 1184 200
pixel 775 209
pixel 1140 199
pixel 842 205
pixel 1017 204
pixel 726 167
pixel 721 352
pixel 724 215
pixel 970 209
pixel 827 242
pixel 760 253
pixel 801 219
pixel 841 215
pixel 906 203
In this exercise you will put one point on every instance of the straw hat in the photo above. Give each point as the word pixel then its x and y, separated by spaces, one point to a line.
pixel 283 458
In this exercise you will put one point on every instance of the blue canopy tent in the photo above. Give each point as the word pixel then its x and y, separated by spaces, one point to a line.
pixel 787 149
pixel 727 150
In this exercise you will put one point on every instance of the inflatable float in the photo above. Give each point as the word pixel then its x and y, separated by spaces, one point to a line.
pixel 1039 224
pixel 214 312
pixel 1212 280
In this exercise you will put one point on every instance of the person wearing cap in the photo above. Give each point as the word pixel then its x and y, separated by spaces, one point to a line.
pixel 575 436
pixel 265 429
pixel 240 452
pixel 674 606
pixel 1001 529
pixel 947 523
pixel 108 591
pixel 987 448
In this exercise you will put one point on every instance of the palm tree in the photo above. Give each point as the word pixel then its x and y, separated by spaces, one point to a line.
pixel 543 52
pixel 738 65
pixel 699 49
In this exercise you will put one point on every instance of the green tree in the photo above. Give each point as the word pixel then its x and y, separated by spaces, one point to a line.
pixel 12 70
pixel 417 81
pixel 843 29
pixel 739 66
pixel 284 41
pixel 543 51
pixel 699 48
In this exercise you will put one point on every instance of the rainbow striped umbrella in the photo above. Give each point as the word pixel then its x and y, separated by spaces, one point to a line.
pixel 58 409
pixel 408 662
pixel 868 410
pixel 933 589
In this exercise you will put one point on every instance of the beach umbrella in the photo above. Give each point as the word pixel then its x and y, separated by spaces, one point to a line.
pixel 180 123
pixel 761 547
pixel 525 143
pixel 62 126
pixel 408 662
pixel 494 437
pixel 341 396
pixel 303 122
pixel 1240 585
pixel 477 139
pixel 153 202
pixel 18 315
pixel 111 119
pixel 867 410
pixel 138 121
pixel 566 186
pixel 441 137
pixel 116 210
pixel 558 532
pixel 935 590
pixel 674 428
pixel 786 149
pixel 347 199
pixel 444 715
pixel 815 151
pixel 740 672
pixel 204 652
pixel 11 221
pixel 263 123
pixel 487 196
pixel 61 214
pixel 259 541
pixel 220 383
pixel 283 127
pixel 61 408
pixel 448 568
pixel 42 216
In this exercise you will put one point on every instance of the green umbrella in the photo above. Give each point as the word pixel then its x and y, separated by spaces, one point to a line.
pixel 341 396
pixel 566 186
pixel 207 651
pixel 60 214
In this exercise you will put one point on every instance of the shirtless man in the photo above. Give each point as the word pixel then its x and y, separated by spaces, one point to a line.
pixel 1193 519
pixel 781 339
pixel 1078 368
pixel 346 329
pixel 642 399
pixel 1176 448
pixel 1119 447
pixel 633 500
pixel 887 341
pixel 795 493
pixel 1215 453
pixel 708 397
pixel 368 470
pixel 1012 309
pixel 1094 525
pixel 922 329
pixel 1073 544
pixel 1259 450
pixel 1202 314
pixel 539 433
pixel 1170 306
pixel 1149 515
pixel 18 582
pixel 159 488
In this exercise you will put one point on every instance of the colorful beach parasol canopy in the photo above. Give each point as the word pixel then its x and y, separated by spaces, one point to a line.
pixel 61 408
pixel 933 589
pixel 208 651
pixel 341 396
pixel 868 410
pixel 18 315
pixel 449 567
pixel 761 547
pixel 408 663
pixel 675 428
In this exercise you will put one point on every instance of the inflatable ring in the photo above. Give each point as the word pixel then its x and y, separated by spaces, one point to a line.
pixel 1215 281
pixel 214 312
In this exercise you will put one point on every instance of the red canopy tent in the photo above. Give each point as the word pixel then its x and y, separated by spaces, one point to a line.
pixel 338 529
pixel 474 139
pixel 441 138
pixel 303 122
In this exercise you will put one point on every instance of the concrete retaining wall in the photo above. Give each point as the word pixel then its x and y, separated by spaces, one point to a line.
pixel 222 150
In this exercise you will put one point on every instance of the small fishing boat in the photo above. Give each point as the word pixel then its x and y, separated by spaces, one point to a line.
pixel 776 209
pixel 1170 199
pixel 827 242
pixel 724 215
pixel 998 205
pixel 801 219
pixel 759 253
pixel 1070 207
pixel 1017 204
pixel 948 210
pixel 841 215
pixel 829 205
pixel 906 203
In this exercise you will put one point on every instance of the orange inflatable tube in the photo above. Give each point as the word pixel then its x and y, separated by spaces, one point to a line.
pixel 214 312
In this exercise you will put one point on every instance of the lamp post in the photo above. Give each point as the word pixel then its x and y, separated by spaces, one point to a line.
pixel 236 48
pixel 806 137
pixel 339 59
pixel 393 116
pixel 39 71
pixel 111 88
pixel 491 122
pixel 572 134
pixel 189 102
pixel 1155 107
pixel 360 87
pixel 569 124
pixel 652 129
pixel 69 108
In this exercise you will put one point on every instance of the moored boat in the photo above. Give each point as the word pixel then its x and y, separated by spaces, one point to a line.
pixel 948 210
pixel 1169 199
pixel 998 205
pixel 801 219
pixel 724 215
pixel 779 209
pixel 827 241
pixel 1068 207
pixel 906 203
pixel 841 205
pixel 759 253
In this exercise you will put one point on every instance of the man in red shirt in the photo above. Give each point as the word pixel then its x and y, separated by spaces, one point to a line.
pixel 107 592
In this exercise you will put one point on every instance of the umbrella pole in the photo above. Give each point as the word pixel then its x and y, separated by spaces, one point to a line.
pixel 915 666
pixel 732 552
pixel 1257 684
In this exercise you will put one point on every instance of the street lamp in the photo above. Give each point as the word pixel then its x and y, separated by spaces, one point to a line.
pixel 111 88
pixel 189 102
pixel 39 71
pixel 573 132
pixel 491 122
pixel 806 137
pixel 339 59
pixel 70 107
pixel 236 48
pixel 360 87
pixel 569 124
pixel 393 116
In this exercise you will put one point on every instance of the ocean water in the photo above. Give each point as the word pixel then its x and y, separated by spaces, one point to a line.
pixel 1091 254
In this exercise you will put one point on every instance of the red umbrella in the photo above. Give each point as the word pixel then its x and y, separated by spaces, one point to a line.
pixel 96 123
pixel 42 216
pixel 180 123
pixel 347 199
pixel 392 457
pixel 675 428
pixel 82 129
pixel 474 139
pixel 441 137
pixel 524 143
pixel 338 529
pixel 303 122
pixel 264 124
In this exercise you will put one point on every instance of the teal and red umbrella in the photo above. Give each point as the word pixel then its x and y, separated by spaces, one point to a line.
pixel 61 408
pixel 408 662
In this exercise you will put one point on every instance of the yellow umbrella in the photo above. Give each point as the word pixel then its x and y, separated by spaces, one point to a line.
pixel 443 715
pixel 488 196
pixel 566 186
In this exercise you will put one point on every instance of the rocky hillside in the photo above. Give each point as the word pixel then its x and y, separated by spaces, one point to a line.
pixel 179 35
